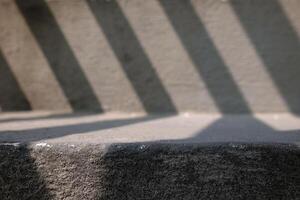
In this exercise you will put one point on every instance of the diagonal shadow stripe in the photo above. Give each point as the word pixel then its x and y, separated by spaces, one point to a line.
pixel 11 95
pixel 276 42
pixel 131 55
pixel 59 55
pixel 203 53
pixel 38 134
pixel 20 177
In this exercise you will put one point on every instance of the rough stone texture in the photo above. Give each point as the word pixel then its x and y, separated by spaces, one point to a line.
pixel 19 176
pixel 232 56
pixel 150 171
pixel 166 56
pixel 158 56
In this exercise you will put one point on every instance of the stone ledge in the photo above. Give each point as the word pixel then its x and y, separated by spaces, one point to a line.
pixel 150 171
pixel 130 128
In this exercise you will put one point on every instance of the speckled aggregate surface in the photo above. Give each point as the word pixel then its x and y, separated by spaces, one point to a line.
pixel 150 171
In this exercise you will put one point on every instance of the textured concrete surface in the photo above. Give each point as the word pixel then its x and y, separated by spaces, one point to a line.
pixel 45 127
pixel 230 68
pixel 149 171
pixel 237 56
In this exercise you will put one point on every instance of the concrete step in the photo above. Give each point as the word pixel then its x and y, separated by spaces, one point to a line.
pixel 110 128
pixel 149 171
pixel 119 156
pixel 164 57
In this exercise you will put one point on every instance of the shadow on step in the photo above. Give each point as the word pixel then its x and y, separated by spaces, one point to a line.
pixel 199 172
pixel 31 135
pixel 230 128
pixel 42 117
pixel 158 171
pixel 19 177
pixel 246 129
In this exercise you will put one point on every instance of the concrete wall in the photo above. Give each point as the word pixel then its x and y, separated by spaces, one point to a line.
pixel 239 56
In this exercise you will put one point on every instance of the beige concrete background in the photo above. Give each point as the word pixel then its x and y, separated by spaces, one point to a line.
pixel 207 56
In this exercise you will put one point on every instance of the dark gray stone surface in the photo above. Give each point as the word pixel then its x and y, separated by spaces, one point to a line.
pixel 150 171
